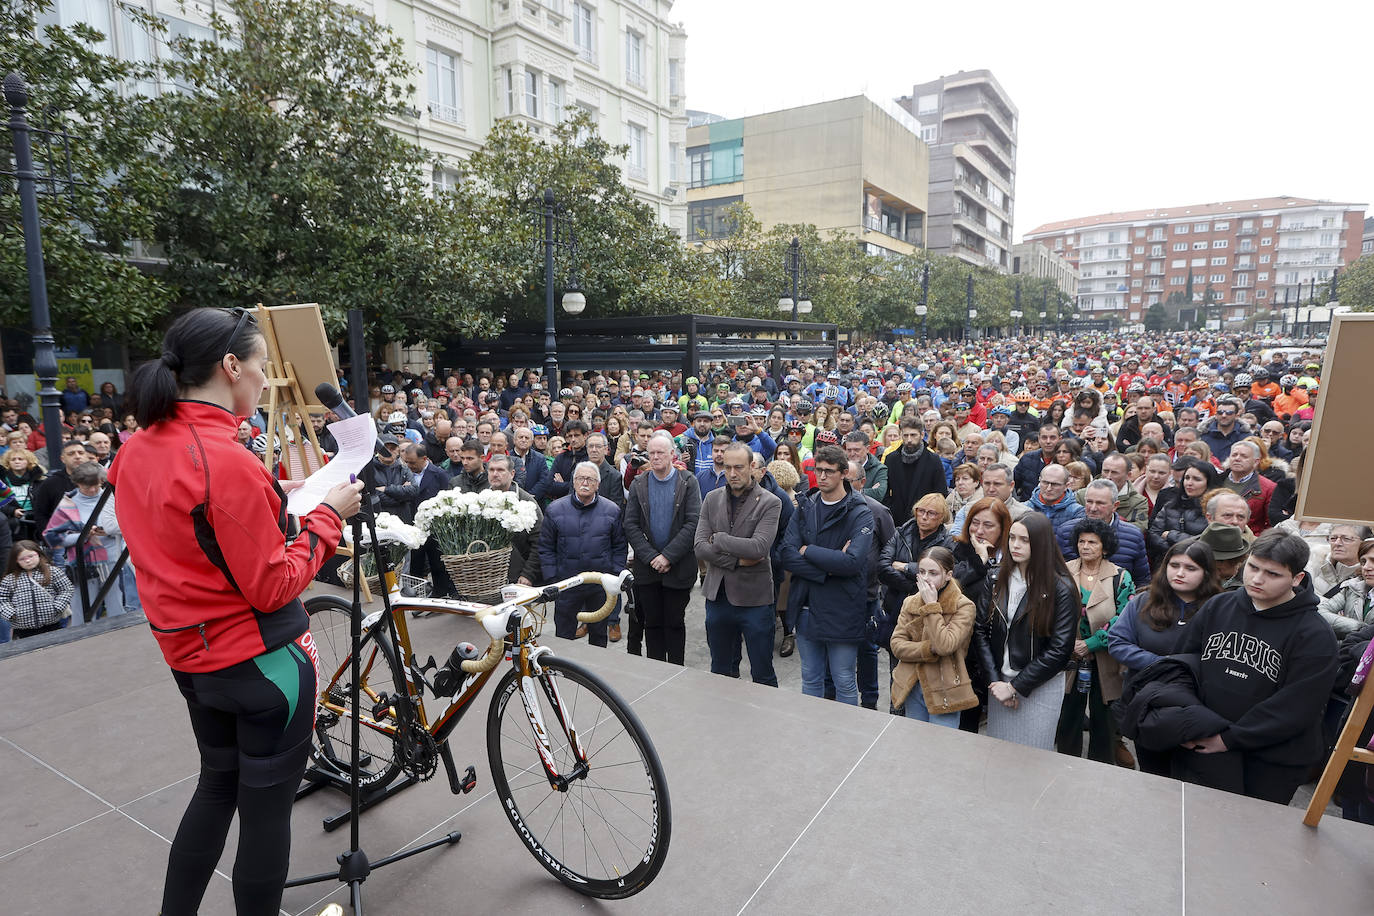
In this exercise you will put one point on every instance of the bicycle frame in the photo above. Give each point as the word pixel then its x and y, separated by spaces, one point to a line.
pixel 512 631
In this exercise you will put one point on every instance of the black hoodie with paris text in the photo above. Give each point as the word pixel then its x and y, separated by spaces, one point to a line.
pixel 1269 672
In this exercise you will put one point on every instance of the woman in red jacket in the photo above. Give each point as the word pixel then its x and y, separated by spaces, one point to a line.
pixel 220 581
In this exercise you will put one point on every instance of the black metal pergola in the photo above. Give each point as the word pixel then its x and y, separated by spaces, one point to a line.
pixel 684 342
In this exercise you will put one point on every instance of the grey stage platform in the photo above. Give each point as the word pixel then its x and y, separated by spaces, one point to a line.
pixel 781 804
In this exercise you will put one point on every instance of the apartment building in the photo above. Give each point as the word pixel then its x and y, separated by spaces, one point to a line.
pixel 853 165
pixel 970 123
pixel 1241 255
pixel 621 61
pixel 1035 259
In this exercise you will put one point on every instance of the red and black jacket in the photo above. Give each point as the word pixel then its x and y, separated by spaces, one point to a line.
pixel 206 527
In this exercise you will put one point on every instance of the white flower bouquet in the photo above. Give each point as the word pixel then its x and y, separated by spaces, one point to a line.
pixel 397 540
pixel 456 520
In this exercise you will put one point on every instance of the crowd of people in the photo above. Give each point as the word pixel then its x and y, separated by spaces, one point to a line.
pixel 1050 538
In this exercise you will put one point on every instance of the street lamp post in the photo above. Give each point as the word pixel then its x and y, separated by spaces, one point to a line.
pixel 44 352
pixel 1044 306
pixel 797 302
pixel 573 299
pixel 971 313
pixel 922 307
pixel 1016 312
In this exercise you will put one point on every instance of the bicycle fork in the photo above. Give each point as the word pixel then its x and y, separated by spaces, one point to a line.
pixel 530 699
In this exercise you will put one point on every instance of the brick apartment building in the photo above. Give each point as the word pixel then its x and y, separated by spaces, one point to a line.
pixel 1250 254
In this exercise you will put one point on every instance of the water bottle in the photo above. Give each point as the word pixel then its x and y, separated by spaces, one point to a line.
pixel 1085 675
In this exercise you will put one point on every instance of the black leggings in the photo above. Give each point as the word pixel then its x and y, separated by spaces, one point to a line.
pixel 252 723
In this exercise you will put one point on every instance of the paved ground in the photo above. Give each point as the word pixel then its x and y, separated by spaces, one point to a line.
pixel 781 804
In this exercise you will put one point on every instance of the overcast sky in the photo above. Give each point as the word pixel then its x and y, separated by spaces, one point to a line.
pixel 1122 106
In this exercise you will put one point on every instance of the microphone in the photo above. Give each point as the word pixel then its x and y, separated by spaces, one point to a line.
pixel 330 397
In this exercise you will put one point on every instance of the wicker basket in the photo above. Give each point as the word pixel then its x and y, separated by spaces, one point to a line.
pixel 479 574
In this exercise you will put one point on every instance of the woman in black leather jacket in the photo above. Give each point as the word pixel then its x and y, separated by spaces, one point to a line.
pixel 1024 635
pixel 1178 512
pixel 978 548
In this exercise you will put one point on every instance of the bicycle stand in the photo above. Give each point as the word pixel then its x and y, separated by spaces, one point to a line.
pixel 316 779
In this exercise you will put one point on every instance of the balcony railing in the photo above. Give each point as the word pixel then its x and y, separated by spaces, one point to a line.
pixel 1250 231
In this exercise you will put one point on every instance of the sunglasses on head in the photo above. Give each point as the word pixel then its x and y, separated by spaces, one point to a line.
pixel 244 316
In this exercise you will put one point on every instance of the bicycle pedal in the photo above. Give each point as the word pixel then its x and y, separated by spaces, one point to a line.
pixel 468 782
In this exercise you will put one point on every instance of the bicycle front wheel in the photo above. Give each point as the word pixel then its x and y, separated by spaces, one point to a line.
pixel 330 621
pixel 604 834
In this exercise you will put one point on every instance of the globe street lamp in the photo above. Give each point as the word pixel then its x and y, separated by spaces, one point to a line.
pixel 574 302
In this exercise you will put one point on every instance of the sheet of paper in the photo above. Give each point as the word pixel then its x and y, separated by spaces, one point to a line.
pixel 356 437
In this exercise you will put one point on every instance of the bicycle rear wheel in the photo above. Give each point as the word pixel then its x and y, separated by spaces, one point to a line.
pixel 606 835
pixel 330 620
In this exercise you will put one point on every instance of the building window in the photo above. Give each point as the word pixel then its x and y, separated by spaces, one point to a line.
pixel 1140 233
pixel 699 166
pixel 1262 278
pixel 674 77
pixel 1177 281
pixel 444 181
pixel 1200 227
pixel 1156 251
pixel 1178 264
pixel 927 104
pixel 1327 239
pixel 1199 246
pixel 930 133
pixel 556 95
pixel 445 85
pixel 634 134
pixel 1181 229
pixel 708 218
pixel 532 78
pixel 1264 259
pixel 1157 235
pixel 1267 240
pixel 507 84
pixel 634 59
pixel 1219 262
pixel 1199 262
pixel 1221 243
pixel 1241 297
pixel 1140 249
pixel 1267 224
pixel 1180 246
pixel 585 133
pixel 1222 226
pixel 1137 283
pixel 584 31
pixel 674 168
pixel 1217 278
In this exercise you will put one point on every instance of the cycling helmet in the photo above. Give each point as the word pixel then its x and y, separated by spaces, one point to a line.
pixel 1221 388
pixel 827 437
pixel 1136 387
pixel 1075 382
pixel 968 391
pixel 1001 411
pixel 1177 368
pixel 1288 381
pixel 804 407
pixel 921 392
pixel 1021 396
pixel 904 386
pixel 1243 380
pixel 946 379
pixel 539 429
pixel 1260 372
pixel 880 412
pixel 832 393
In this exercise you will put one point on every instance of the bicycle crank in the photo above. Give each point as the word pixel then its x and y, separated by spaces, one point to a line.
pixel 416 752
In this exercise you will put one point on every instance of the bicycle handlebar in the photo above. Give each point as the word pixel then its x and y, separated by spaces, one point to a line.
pixel 494 620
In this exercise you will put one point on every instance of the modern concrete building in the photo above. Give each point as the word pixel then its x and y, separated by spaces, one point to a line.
pixel 1367 240
pixel 970 123
pixel 1242 255
pixel 1035 259
pixel 622 61
pixel 852 165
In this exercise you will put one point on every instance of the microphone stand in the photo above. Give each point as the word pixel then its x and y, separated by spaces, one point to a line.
pixel 354 866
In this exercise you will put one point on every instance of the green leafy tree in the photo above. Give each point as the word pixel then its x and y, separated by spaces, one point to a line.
pixel 626 261
pixel 1355 287
pixel 282 182
pixel 1156 318
pixel 75 87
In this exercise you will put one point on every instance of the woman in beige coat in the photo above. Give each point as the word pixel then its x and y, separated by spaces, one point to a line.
pixel 930 644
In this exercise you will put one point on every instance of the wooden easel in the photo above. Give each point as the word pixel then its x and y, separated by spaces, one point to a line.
pixel 284 396
pixel 1344 753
